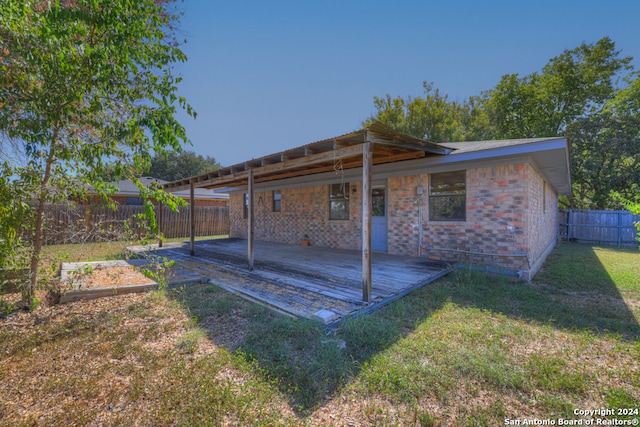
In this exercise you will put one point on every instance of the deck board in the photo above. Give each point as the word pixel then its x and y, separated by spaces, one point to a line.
pixel 295 280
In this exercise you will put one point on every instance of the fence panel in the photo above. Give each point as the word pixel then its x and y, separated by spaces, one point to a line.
pixel 608 227
pixel 84 223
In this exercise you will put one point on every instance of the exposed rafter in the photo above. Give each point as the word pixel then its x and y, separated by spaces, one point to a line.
pixel 387 146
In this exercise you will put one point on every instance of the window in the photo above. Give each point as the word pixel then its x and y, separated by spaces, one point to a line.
pixel 339 201
pixel 447 196
pixel 377 201
pixel 246 206
pixel 277 198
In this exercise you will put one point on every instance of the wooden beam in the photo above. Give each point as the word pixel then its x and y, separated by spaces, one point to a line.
pixel 250 219
pixel 213 182
pixel 309 160
pixel 367 214
pixel 346 164
pixel 422 146
pixel 276 168
pixel 398 157
pixel 192 221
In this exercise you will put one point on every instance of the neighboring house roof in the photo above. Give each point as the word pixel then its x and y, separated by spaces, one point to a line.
pixel 394 154
pixel 128 188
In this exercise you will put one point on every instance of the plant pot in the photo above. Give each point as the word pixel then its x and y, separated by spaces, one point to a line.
pixel 305 242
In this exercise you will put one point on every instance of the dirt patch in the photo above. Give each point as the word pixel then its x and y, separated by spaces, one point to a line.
pixel 108 277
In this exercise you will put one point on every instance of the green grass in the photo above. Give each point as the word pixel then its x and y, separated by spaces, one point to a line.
pixel 470 349
pixel 100 251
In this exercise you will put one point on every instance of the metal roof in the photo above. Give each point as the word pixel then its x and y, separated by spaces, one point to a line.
pixel 340 152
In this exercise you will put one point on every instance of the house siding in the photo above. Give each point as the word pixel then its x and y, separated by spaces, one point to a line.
pixel 505 215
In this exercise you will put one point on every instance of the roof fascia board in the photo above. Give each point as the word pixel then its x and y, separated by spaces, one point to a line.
pixel 347 151
pixel 380 172
pixel 502 156
pixel 510 150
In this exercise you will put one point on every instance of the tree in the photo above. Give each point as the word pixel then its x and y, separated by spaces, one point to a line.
pixel 606 150
pixel 577 83
pixel 581 93
pixel 85 86
pixel 578 94
pixel 632 206
pixel 173 166
pixel 605 157
pixel 433 117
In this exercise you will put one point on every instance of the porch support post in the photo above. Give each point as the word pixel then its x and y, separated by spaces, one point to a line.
pixel 160 228
pixel 250 219
pixel 192 220
pixel 367 174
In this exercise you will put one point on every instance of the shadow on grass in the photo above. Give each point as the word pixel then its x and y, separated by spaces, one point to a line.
pixel 574 291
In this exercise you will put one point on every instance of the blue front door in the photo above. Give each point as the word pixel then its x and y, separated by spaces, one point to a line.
pixel 379 219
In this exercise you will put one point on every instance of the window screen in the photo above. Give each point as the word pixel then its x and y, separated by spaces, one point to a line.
pixel 447 196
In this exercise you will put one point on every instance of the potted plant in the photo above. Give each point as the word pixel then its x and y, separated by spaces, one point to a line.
pixel 305 240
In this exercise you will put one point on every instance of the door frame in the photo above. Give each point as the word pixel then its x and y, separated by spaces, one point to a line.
pixel 383 185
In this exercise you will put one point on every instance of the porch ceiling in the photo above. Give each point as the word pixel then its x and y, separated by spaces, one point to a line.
pixel 342 152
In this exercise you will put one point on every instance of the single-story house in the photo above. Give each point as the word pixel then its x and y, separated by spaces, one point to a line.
pixel 129 194
pixel 489 203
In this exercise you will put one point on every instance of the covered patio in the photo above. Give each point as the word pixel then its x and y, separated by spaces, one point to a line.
pixel 309 282
pixel 374 145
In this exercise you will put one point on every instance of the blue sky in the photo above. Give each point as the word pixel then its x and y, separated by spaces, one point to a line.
pixel 265 76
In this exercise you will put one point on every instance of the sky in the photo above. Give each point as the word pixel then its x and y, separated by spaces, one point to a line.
pixel 269 75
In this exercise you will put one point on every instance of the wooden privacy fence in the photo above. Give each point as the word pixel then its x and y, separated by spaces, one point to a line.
pixel 608 227
pixel 84 223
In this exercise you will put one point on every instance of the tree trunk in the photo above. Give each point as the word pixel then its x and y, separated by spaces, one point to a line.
pixel 28 292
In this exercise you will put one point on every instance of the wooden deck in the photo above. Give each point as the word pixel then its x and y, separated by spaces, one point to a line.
pixel 311 282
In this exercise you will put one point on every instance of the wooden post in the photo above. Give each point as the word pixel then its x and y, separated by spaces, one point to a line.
pixel 192 220
pixel 160 227
pixel 250 220
pixel 367 174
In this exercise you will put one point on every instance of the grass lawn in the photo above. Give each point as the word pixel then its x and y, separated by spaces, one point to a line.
pixel 100 251
pixel 469 349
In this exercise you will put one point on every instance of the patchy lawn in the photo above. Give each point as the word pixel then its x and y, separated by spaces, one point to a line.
pixel 469 349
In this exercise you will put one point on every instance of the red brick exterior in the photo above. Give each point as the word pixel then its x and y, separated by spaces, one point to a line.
pixel 304 211
pixel 504 216
pixel 509 210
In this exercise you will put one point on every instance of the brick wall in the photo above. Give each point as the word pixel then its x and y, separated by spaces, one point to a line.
pixel 506 214
pixel 304 211
pixel 541 217
pixel 496 203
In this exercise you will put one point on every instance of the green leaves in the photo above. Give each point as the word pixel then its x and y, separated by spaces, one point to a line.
pixel 87 87
pixel 582 93
pixel 574 84
pixel 172 166
pixel 432 117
